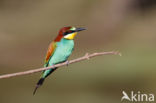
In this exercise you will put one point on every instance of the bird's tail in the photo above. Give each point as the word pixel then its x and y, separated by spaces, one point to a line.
pixel 44 75
pixel 39 83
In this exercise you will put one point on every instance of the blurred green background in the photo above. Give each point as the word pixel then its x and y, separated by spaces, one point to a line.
pixel 28 26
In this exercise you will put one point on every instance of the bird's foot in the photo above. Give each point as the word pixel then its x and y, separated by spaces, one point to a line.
pixel 67 62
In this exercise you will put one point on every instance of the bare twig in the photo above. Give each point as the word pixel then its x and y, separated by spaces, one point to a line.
pixel 86 57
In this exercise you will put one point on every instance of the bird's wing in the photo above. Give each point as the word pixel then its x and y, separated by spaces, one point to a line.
pixel 50 52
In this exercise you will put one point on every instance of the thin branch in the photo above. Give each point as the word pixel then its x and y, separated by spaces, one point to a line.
pixel 86 57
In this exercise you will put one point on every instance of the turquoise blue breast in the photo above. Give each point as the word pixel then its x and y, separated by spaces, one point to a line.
pixel 63 51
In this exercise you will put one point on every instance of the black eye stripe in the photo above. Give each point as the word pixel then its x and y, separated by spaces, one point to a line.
pixel 68 32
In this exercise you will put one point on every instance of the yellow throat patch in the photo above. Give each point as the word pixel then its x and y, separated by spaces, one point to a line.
pixel 70 36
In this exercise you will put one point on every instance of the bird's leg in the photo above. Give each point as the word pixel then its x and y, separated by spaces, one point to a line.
pixel 67 62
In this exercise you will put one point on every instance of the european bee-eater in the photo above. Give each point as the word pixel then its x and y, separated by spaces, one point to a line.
pixel 59 50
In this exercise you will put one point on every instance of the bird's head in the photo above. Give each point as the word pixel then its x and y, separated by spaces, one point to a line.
pixel 68 33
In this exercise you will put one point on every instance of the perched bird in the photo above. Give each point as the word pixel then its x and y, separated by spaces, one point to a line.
pixel 59 50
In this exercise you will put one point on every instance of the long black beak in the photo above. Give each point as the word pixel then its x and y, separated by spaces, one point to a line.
pixel 79 29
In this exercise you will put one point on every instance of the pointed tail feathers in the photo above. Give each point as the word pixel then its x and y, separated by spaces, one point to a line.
pixel 45 74
pixel 39 83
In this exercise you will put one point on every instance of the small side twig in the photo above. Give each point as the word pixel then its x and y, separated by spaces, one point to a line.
pixel 86 57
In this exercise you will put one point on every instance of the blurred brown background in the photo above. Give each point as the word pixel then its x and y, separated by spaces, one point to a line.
pixel 28 26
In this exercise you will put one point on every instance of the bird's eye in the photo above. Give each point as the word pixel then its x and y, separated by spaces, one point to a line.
pixel 65 33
